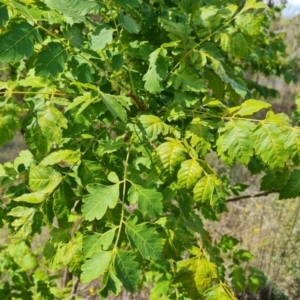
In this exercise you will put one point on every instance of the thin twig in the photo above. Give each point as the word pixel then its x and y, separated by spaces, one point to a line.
pixel 251 196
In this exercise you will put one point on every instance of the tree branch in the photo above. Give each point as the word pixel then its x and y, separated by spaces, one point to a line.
pixel 251 196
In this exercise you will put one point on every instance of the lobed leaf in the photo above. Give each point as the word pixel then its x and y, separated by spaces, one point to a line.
pixel 51 61
pixel 18 42
pixel 96 266
pixel 43 179
pixel 249 107
pixel 149 200
pixel 194 276
pixel 209 189
pixel 291 189
pixel 102 36
pixel 169 156
pixel 144 238
pixel 189 173
pixel 101 198
pixel 235 141
pixel 127 269
pixel 269 144
pixel 219 292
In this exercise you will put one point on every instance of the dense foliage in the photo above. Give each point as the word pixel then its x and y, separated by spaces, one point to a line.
pixel 119 103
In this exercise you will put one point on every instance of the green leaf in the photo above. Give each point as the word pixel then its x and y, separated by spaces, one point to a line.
pixel 3 14
pixel 24 219
pixel 128 23
pixel 292 187
pixel 46 130
pixel 189 173
pixel 292 144
pixel 128 3
pixel 18 42
pixel 200 135
pixel 152 82
pixel 209 189
pixel 63 200
pixel 235 141
pixel 243 255
pixel 169 156
pixel 9 120
pixel 215 83
pixel 256 279
pixel 253 4
pixel 177 31
pixel 100 198
pixel 94 242
pixel 111 283
pixel 249 24
pixel 149 200
pixel 67 156
pixel 96 266
pixel 238 45
pixel 116 105
pixel 274 180
pixel 194 276
pixel 44 179
pixel 161 289
pixel 238 279
pixel 74 35
pixel 269 141
pixel 102 36
pixel 144 238
pixel 29 12
pixel 127 269
pixel 85 73
pixel 249 107
pixel 51 60
pixel 149 127
pixel 73 9
pixel 111 146
pixel 219 292
pixel 36 197
pixel 186 81
pixel 227 242
pixel 117 62
pixel 157 71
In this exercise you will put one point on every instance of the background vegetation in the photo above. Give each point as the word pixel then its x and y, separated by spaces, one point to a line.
pixel 265 226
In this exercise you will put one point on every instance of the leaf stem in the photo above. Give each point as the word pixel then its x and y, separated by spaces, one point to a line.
pixel 252 196
pixel 123 198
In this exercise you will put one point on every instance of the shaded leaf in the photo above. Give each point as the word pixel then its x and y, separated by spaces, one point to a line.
pixel 127 269
pixel 292 187
pixel 116 105
pixel 128 23
pixel 51 60
pixel 3 14
pixel 94 242
pixel 144 238
pixel 18 42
